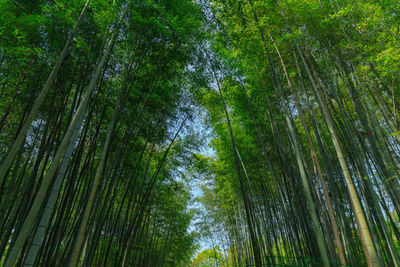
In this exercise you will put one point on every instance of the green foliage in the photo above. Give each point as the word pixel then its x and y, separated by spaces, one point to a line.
pixel 208 258
pixel 275 61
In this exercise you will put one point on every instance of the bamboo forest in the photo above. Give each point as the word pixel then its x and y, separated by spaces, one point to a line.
pixel 200 133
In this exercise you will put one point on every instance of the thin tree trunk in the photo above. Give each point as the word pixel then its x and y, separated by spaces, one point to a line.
pixel 48 178
pixel 51 202
pixel 6 163
pixel 314 159
pixel 310 201
pixel 100 167
pixel 248 209
pixel 368 246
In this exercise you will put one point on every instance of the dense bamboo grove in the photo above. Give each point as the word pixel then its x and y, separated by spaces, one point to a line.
pixel 102 101
pixel 90 125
